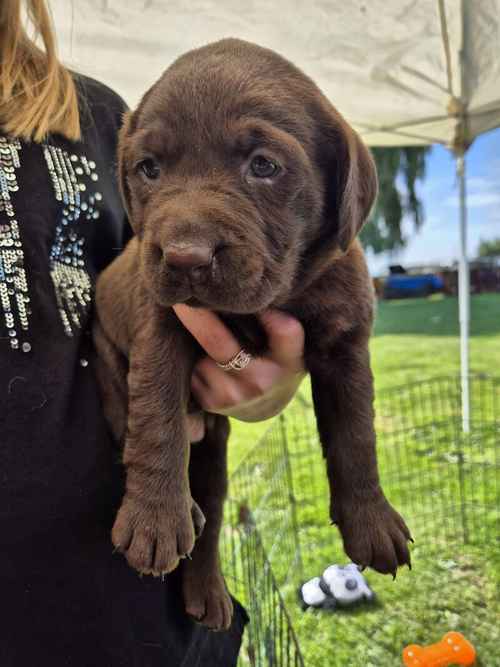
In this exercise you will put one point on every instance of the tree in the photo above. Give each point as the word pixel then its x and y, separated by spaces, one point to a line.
pixel 399 169
pixel 489 248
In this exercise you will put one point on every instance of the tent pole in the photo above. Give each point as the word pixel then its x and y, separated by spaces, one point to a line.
pixel 463 296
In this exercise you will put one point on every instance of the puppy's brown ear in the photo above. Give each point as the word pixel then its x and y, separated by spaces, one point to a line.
pixel 351 181
pixel 123 136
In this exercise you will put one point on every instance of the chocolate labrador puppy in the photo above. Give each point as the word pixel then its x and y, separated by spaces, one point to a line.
pixel 246 190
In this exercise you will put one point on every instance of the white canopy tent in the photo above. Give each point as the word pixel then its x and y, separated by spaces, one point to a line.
pixel 402 72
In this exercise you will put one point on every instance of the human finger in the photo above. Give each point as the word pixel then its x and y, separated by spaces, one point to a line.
pixel 210 332
pixel 285 336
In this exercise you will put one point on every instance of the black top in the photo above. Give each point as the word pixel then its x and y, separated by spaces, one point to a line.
pixel 65 599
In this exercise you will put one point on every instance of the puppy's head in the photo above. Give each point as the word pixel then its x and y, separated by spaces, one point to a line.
pixel 239 176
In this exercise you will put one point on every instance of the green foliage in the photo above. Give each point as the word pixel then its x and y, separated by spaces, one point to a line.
pixel 489 248
pixel 398 169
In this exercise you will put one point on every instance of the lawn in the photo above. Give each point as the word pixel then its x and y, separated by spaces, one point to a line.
pixel 413 339
pixel 426 471
pixel 416 339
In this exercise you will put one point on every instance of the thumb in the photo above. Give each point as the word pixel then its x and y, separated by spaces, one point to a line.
pixel 285 336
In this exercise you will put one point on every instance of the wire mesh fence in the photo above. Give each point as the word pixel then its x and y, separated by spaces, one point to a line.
pixel 445 484
pixel 270 638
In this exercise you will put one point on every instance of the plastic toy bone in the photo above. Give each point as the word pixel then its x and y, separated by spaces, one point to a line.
pixel 453 649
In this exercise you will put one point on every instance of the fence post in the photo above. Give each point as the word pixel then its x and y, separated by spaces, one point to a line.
pixel 461 485
pixel 293 500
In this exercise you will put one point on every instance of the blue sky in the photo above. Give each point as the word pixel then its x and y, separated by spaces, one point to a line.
pixel 438 239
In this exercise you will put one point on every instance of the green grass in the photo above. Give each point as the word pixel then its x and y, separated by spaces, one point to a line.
pixel 452 585
pixel 413 339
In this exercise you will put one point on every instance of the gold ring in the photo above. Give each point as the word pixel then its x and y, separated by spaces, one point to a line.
pixel 237 363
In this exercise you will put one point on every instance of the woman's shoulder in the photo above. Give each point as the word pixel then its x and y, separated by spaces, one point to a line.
pixel 97 93
pixel 100 106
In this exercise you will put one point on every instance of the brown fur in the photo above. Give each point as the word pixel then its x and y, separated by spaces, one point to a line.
pixel 285 241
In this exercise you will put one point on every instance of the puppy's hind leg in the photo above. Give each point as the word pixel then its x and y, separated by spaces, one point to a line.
pixel 205 593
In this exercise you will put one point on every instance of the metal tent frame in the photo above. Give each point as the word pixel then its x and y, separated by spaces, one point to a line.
pixel 457 109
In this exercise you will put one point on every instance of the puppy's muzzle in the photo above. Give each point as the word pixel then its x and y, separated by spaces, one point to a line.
pixel 193 261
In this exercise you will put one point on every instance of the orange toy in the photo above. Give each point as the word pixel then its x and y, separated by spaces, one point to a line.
pixel 453 649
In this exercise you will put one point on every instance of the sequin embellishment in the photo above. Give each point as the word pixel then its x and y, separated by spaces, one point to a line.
pixel 73 178
pixel 14 297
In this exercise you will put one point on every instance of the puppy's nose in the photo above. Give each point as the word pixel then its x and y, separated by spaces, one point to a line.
pixel 188 256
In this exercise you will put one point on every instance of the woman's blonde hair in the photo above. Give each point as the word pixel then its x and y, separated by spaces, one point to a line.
pixel 37 93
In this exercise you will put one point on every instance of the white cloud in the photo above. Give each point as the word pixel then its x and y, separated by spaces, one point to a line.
pixel 494 219
pixel 476 199
pixel 481 192
pixel 479 183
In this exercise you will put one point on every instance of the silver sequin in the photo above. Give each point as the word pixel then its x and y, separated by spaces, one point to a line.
pixel 14 296
pixel 72 283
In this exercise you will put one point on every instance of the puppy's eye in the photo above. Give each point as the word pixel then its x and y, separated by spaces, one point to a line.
pixel 149 168
pixel 261 167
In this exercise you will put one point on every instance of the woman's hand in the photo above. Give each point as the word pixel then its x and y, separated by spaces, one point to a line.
pixel 265 386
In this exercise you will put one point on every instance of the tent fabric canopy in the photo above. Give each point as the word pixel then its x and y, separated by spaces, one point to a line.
pixel 402 72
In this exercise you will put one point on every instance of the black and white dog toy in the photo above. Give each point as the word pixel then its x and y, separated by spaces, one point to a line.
pixel 339 585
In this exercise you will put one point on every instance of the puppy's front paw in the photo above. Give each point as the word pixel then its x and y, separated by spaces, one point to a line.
pixel 374 534
pixel 154 538
pixel 206 598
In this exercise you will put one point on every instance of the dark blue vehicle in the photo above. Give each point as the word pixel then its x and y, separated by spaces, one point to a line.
pixel 403 285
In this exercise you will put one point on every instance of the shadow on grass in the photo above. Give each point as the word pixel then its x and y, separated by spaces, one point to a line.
pixel 355 610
